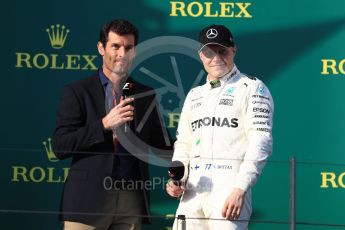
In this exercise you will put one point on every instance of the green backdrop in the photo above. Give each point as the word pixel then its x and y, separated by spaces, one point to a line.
pixel 296 47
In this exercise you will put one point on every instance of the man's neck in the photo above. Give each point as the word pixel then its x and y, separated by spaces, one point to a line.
pixel 212 78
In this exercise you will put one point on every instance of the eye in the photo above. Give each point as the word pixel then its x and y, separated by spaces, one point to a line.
pixel 223 52
pixel 128 48
pixel 115 46
pixel 208 53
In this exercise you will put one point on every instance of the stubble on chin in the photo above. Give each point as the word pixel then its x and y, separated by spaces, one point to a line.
pixel 119 72
pixel 120 69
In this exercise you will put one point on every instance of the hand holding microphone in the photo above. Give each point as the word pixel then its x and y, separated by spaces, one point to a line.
pixel 123 112
pixel 119 115
pixel 176 172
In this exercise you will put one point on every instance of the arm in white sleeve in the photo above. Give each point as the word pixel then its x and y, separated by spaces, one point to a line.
pixel 258 110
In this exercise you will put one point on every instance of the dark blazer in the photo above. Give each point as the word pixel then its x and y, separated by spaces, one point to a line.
pixel 79 134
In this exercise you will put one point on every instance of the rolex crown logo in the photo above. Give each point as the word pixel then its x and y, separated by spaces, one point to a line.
pixel 49 150
pixel 57 35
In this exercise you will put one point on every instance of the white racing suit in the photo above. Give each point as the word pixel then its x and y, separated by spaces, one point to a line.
pixel 224 138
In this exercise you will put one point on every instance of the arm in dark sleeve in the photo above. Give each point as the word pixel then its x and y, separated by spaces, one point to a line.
pixel 73 134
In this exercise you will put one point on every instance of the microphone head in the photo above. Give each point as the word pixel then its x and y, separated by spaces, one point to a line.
pixel 127 89
pixel 176 170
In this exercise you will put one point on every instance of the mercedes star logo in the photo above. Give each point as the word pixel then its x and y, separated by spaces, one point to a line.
pixel 211 33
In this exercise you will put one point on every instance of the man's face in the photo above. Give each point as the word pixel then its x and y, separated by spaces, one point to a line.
pixel 217 60
pixel 118 54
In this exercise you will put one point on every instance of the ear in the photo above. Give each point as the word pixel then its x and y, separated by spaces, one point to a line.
pixel 201 56
pixel 234 50
pixel 100 48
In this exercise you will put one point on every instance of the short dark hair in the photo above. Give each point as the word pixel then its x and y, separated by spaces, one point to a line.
pixel 120 27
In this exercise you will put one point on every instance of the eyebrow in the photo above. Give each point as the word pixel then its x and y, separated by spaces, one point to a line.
pixel 118 44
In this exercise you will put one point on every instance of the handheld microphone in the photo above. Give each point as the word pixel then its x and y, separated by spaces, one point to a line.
pixel 127 92
pixel 176 172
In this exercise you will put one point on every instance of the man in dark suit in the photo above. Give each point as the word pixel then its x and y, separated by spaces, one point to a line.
pixel 108 137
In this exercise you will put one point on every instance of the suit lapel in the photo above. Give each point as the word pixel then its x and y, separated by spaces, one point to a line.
pixel 99 96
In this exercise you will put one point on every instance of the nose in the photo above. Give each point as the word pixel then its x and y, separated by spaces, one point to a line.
pixel 121 52
pixel 217 57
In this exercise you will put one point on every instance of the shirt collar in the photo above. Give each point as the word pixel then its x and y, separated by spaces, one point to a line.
pixel 223 79
pixel 105 81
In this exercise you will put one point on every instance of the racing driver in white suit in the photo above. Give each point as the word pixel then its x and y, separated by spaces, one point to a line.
pixel 224 138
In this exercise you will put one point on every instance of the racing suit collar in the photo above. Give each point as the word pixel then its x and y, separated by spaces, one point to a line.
pixel 215 84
